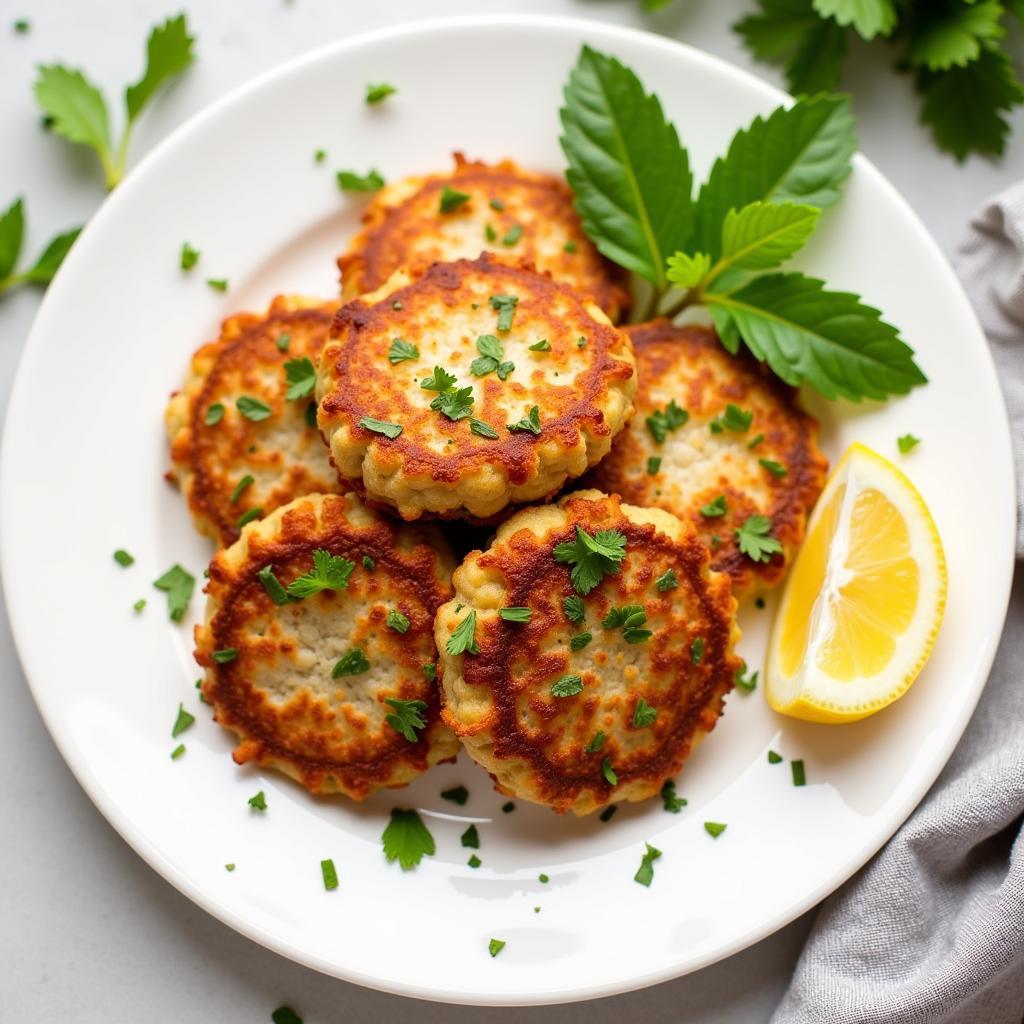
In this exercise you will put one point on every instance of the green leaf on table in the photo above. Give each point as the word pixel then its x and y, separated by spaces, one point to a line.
pixel 76 108
pixel 831 340
pixel 762 235
pixel 168 54
pixel 687 271
pixel 869 17
pixel 817 63
pixel 12 230
pixel 945 36
pixel 630 174
pixel 798 154
pixel 964 107
pixel 42 271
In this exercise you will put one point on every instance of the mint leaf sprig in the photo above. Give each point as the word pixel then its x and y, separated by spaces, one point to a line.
pixel 78 110
pixel 12 235
pixel 759 206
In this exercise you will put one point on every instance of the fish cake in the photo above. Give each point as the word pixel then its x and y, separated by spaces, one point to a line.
pixel 302 673
pixel 511 211
pixel 227 463
pixel 722 465
pixel 601 695
pixel 460 388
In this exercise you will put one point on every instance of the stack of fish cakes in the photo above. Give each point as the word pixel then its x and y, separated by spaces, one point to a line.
pixel 472 373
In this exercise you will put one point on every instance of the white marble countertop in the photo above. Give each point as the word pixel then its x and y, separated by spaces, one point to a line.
pixel 88 932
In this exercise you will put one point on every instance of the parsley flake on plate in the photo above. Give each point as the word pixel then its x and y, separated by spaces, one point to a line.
pixel 609 812
pixel 253 409
pixel 530 423
pixel 471 838
pixel 697 650
pixel 451 199
pixel 440 380
pixel 329 874
pixel 259 801
pixel 567 686
pixel 774 758
pixel 799 774
pixel 541 346
pixel 390 430
pixel 508 808
pixel 301 377
pixel 320 155
pixel 139 605
pixel 351 663
pixel 177 751
pixel 591 557
pixel 672 803
pixel 495 946
pixel 744 682
pixel 218 284
pixel 123 559
pixel 643 714
pixel 653 465
pixel 329 572
pixel 734 418
pixel 457 794
pixel 406 839
pixel 178 585
pixel 455 403
pixel 755 539
pixel 474 861
pixel 350 181
pixel 463 638
pixel 580 640
pixel 183 721
pixel 609 772
pixel 397 621
pixel 285 1015
pixel 645 873
pixel 714 828
pixel 402 351
pixel 189 256
pixel 907 442
pixel 407 717
pixel 377 93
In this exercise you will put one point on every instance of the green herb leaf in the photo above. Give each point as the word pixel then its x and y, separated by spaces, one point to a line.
pixel 301 377
pixel 406 839
pixel 505 306
pixel 429 672
pixel 441 380
pixel 643 714
pixel 259 801
pixel 182 722
pixel 774 758
pixel 609 772
pixel 687 271
pixel 714 509
pixel 592 557
pixel 799 774
pixel 168 54
pixel 744 682
pixel 541 346
pixel 214 414
pixel 829 339
pixel 178 585
pixel 248 517
pixel 402 350
pixel 139 605
pixel 567 686
pixel 762 235
pixel 12 230
pixel 714 828
pixel 272 585
pixel 775 468
pixel 452 199
pixel 645 873
pixel 49 261
pixel 218 284
pixel 734 418
pixel 528 424
pixel 225 656
pixel 379 92
pixel 351 663
pixel 189 256
pixel 123 559
pixel 470 839
pixel 329 874
pixel 285 1014
pixel 667 580
pixel 672 803
pixel 609 812
pixel 508 808
pixel 755 539
pixel 495 946
pixel 463 639
pixel 515 614
pixel 630 175
pixel 697 650
pixel 482 429
pixel 253 409
pixel 329 572
pixel 391 430
pixel 573 607
pixel 474 861
pixel 954 34
pixel 455 403
pixel 907 442
pixel 177 751
pixel 240 488
pixel 596 743
pixel 408 717
pixel 660 422
pixel 77 110
pixel 513 235
pixel 869 17
pixel 350 181
pixel 653 465
pixel 397 621
pixel 457 794
pixel 368 563
pixel 579 641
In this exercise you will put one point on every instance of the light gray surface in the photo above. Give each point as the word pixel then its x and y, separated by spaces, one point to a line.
pixel 88 933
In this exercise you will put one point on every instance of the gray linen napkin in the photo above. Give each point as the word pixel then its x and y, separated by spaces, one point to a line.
pixel 932 930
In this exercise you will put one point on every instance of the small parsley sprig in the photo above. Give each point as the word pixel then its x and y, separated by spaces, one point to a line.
pixel 12 232
pixel 329 572
pixel 406 839
pixel 591 557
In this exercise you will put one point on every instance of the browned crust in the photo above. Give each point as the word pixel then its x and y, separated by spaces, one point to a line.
pixel 297 738
pixel 389 232
pixel 659 345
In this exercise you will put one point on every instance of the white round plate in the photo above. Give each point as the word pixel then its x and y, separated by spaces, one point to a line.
pixel 113 338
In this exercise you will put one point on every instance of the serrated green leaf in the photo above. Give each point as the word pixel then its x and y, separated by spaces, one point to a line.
pixel 954 35
pixel 12 230
pixel 764 235
pixel 687 271
pixel 831 340
pixel 76 106
pixel 50 259
pixel 630 174
pixel 168 53
pixel 406 839
pixel 817 62
pixel 798 154
pixel 869 17
pixel 777 28
pixel 964 107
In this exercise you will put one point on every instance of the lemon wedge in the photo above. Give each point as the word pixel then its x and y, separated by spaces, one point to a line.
pixel 864 600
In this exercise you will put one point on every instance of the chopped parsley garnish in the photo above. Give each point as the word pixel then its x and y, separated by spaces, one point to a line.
pixel 596 743
pixel 225 656
pixel 667 580
pixel 631 618
pixel 906 442
pixel 253 409
pixel 464 637
pixel 714 828
pixel 672 803
pixel 397 621
pixel 429 672
pixel 541 346
pixel 440 380
pixel 301 377
pixel 470 838
pixel 259 801
pixel 489 233
pixel 567 686
pixel 505 306
pixel 496 204
pixel 391 430
pixel 569 246
pixel 248 517
pixel 218 284
pixel 515 614
pixel 177 751
pixel 775 468
pixel 378 92
pixel 350 181
pixel 474 861
pixel 755 539
pixel 482 429
pixel 799 775
pixel 368 563
pixel 452 199
pixel 653 465
pixel 697 650
pixel 214 414
pixel 283 341
pixel 734 418
pixel 755 441
pixel 743 682
pixel 491 353
pixel 123 559
pixel 329 572
pixel 645 873
pixel 329 873
pixel 229 867
pixel 513 235
pixel 457 794
pixel 609 772
pixel 402 350
pixel 581 342
pixel 178 585
pixel 495 946
pixel 573 608
pixel 508 808
pixel 139 605
pixel 643 714
pixel 609 812
pixel 774 758
pixel 182 722
pixel 580 640
pixel 189 256
pixel 406 839
pixel 455 403
pixel 285 1015
pixel 543 879
pixel 660 422
pixel 592 557
pixel 351 663
pixel 247 481
pixel 715 509
pixel 529 423
pixel 272 585
pixel 408 716
pixel 320 155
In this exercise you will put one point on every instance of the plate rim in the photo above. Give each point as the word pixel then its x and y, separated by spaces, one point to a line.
pixel 151 853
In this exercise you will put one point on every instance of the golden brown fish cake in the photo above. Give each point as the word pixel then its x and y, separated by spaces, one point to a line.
pixel 282 452
pixel 282 673
pixel 564 721
pixel 706 460
pixel 565 400
pixel 509 211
